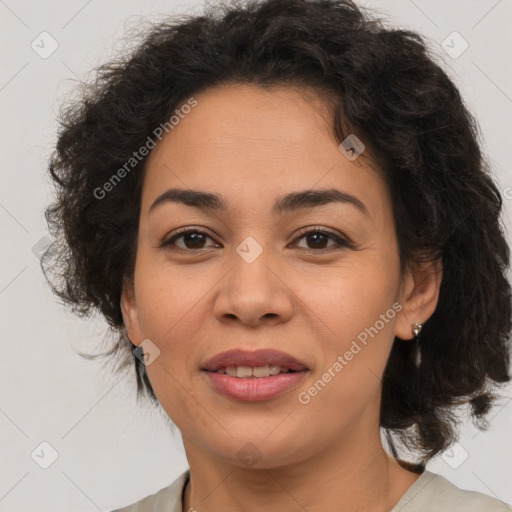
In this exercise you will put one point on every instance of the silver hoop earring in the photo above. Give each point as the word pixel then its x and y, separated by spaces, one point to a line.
pixel 416 329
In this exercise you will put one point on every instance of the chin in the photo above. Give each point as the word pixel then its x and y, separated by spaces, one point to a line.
pixel 259 451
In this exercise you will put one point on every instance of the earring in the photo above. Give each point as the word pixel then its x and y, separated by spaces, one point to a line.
pixel 416 329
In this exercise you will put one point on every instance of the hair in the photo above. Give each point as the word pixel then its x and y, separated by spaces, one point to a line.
pixel 383 85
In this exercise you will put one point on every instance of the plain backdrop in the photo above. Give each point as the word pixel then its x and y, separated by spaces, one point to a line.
pixel 110 451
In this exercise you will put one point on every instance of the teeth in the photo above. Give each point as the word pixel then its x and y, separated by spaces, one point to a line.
pixel 231 371
pixel 261 371
pixel 244 372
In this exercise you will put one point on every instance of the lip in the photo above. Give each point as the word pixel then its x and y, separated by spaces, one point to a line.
pixel 254 389
pixel 237 357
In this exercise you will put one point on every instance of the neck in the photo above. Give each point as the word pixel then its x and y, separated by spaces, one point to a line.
pixel 350 477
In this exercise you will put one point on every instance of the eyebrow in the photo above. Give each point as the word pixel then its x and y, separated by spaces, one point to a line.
pixel 287 203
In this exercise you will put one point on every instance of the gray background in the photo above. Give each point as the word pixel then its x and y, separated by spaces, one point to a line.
pixel 112 451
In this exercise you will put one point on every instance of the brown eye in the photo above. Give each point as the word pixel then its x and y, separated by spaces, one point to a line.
pixel 318 240
pixel 193 239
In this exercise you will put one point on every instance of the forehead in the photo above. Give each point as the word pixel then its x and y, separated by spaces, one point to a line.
pixel 233 115
pixel 269 140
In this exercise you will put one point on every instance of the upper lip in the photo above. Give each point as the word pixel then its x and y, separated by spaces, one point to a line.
pixel 262 357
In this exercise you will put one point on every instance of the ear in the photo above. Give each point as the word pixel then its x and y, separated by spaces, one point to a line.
pixel 419 296
pixel 130 312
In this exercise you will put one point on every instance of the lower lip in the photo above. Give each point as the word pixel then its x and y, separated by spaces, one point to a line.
pixel 254 389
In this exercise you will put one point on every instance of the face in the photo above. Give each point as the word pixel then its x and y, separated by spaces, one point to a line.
pixel 308 279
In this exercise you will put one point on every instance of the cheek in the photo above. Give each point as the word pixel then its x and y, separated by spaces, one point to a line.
pixel 350 297
pixel 354 309
pixel 168 299
pixel 169 311
pixel 355 337
pixel 169 317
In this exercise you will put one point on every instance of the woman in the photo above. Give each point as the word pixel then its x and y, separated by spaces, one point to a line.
pixel 283 209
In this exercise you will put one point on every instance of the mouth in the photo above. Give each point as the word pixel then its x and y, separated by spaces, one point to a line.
pixel 254 376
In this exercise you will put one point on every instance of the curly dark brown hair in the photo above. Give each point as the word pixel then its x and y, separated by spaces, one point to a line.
pixel 387 87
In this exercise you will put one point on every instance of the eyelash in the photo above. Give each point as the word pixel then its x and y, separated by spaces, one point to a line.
pixel 342 243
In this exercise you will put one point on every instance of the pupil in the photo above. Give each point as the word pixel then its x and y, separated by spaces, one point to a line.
pixel 196 238
pixel 318 235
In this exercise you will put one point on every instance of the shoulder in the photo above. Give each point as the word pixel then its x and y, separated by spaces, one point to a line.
pixel 432 492
pixel 168 498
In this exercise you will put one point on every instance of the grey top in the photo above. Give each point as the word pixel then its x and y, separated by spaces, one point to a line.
pixel 429 493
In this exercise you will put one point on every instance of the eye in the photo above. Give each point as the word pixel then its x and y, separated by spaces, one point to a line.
pixel 193 238
pixel 319 238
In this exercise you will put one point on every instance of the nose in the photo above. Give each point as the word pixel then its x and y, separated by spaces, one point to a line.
pixel 254 292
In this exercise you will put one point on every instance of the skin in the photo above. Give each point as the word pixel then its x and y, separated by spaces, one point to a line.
pixel 301 295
